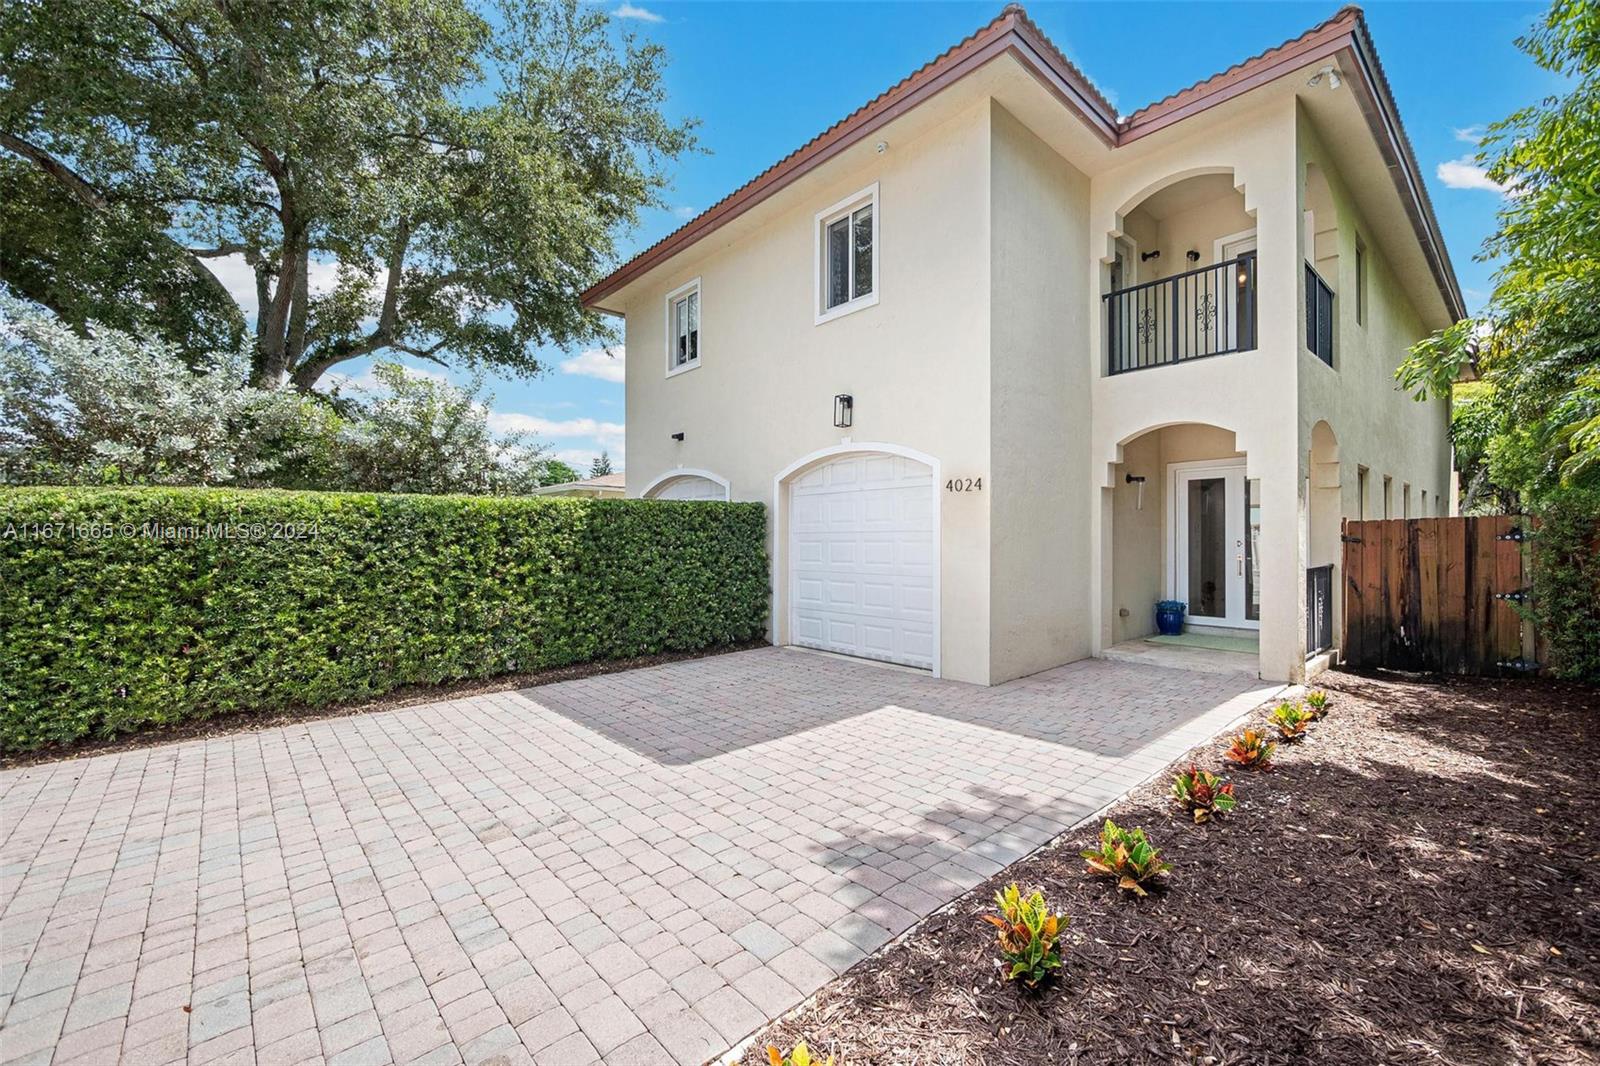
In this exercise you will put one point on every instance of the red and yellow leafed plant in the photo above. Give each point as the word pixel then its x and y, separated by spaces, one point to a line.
pixel 800 1056
pixel 1252 750
pixel 1128 856
pixel 1292 720
pixel 1317 702
pixel 1202 792
pixel 1029 931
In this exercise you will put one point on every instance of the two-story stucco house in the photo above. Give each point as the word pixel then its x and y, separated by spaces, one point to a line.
pixel 1009 369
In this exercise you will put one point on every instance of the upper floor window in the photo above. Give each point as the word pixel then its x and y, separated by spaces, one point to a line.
pixel 847 260
pixel 683 328
pixel 1361 283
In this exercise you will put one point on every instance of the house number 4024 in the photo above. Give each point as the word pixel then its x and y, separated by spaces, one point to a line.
pixel 964 484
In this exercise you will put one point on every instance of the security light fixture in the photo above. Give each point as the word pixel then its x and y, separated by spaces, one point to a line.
pixel 843 410
pixel 1332 74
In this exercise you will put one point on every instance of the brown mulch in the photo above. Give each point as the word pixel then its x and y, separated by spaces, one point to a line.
pixel 408 696
pixel 1414 882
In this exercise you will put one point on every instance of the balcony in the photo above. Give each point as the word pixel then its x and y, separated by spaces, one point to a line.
pixel 1193 315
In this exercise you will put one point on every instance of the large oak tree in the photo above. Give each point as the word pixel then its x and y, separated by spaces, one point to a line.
pixel 461 174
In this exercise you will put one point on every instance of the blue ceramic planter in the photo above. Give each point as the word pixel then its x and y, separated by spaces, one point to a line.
pixel 1169 617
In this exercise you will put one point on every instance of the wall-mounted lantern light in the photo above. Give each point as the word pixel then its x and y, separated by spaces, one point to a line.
pixel 678 436
pixel 1137 479
pixel 1192 255
pixel 1145 257
pixel 843 410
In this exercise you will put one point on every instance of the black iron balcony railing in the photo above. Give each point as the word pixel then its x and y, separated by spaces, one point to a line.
pixel 1319 316
pixel 1200 313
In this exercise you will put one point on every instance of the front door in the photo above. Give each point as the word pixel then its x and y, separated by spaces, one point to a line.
pixel 1216 537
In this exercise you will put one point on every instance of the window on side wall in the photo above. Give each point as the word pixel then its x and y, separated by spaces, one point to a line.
pixel 683 328
pixel 1388 496
pixel 847 255
pixel 1361 283
pixel 1361 494
pixel 1405 501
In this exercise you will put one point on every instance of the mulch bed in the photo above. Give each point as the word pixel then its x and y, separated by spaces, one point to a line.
pixel 409 696
pixel 1414 882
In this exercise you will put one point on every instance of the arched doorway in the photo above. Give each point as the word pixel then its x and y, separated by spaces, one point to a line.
pixel 685 484
pixel 860 554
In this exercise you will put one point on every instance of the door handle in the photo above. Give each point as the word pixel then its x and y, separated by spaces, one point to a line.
pixel 1240 560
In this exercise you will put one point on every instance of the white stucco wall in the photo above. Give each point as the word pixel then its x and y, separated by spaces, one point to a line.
pixel 916 363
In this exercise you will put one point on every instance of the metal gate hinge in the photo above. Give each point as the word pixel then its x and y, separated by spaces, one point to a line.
pixel 1521 595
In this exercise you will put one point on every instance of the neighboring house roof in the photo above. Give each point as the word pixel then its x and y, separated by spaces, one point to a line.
pixel 1014 32
pixel 604 485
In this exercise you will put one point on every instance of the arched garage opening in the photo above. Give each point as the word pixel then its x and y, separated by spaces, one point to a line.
pixel 686 484
pixel 857 566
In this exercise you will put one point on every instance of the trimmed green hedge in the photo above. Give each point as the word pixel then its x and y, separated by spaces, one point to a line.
pixel 117 616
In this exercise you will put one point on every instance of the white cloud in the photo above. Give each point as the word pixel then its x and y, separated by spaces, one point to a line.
pixel 684 212
pixel 633 11
pixel 1469 134
pixel 605 364
pixel 1463 173
pixel 608 434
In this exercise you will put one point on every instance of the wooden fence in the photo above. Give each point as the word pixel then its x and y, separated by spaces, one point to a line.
pixel 1437 595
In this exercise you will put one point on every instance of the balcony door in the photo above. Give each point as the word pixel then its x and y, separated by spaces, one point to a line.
pixel 1239 286
pixel 1215 538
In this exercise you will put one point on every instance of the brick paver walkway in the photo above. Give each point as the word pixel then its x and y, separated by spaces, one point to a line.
pixel 641 867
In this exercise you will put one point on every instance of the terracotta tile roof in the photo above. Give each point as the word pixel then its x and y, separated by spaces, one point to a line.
pixel 1343 21
pixel 1013 31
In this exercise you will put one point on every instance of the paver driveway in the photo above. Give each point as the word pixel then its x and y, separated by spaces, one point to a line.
pixel 639 867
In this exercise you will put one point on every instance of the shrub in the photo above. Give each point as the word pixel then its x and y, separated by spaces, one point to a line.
pixel 800 1056
pixel 1317 703
pixel 1292 720
pixel 1128 856
pixel 1028 934
pixel 1202 792
pixel 1251 749
pixel 1566 583
pixel 130 621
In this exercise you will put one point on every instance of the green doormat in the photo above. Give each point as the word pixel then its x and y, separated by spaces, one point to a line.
pixel 1209 640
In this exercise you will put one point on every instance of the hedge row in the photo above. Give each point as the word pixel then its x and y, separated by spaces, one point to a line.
pixel 122 609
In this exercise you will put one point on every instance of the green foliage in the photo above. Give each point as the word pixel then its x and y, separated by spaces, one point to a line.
pixel 1532 429
pixel 601 465
pixel 104 407
pixel 1566 584
pixel 414 433
pixel 424 177
pixel 1251 749
pixel 1202 792
pixel 555 472
pixel 1128 856
pixel 1292 720
pixel 1029 931
pixel 112 625
pixel 1317 703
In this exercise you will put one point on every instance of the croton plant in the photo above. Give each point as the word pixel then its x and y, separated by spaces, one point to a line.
pixel 1251 749
pixel 1202 792
pixel 1029 931
pixel 1128 856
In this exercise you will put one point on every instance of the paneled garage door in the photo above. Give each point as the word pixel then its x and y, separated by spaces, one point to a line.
pixel 861 559
pixel 690 487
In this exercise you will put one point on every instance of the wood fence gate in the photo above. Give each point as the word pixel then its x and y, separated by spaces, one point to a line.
pixel 1437 595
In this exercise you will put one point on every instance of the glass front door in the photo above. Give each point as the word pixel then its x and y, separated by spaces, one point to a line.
pixel 1216 544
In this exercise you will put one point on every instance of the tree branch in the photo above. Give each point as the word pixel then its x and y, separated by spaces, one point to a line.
pixel 74 182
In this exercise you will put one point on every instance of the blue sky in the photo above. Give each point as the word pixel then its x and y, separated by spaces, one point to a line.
pixel 765 77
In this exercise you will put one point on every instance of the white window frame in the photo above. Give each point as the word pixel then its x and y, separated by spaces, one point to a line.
pixel 671 345
pixel 848 206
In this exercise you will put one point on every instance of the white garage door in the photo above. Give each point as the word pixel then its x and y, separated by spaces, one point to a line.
pixel 861 559
pixel 690 487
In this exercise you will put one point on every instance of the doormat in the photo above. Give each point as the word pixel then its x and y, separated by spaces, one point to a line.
pixel 1213 641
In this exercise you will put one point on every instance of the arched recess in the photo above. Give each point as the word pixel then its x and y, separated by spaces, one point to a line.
pixel 856 560
pixel 687 484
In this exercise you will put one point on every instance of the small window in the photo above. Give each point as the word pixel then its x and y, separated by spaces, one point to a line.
pixel 1405 501
pixel 1361 283
pixel 847 259
pixel 1361 494
pixel 1422 509
pixel 683 328
pixel 1388 496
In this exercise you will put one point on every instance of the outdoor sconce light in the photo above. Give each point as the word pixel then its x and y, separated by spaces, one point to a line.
pixel 678 436
pixel 1137 479
pixel 843 410
pixel 1145 257
pixel 1192 255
